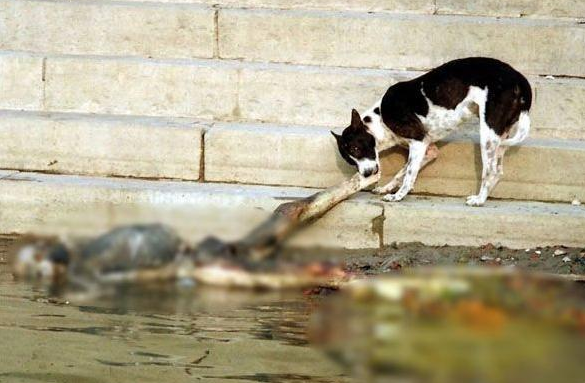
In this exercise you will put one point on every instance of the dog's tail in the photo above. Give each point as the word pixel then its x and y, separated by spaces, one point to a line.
pixel 521 132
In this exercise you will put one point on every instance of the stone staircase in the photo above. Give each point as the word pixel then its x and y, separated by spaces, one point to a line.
pixel 223 109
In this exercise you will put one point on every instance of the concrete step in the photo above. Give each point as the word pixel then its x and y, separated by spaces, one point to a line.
pixel 501 8
pixel 57 204
pixel 235 91
pixel 52 204
pixel 21 77
pixel 108 28
pixel 498 8
pixel 408 6
pixel 100 145
pixel 544 170
pixel 398 41
pixel 341 38
pixel 514 8
pixel 266 154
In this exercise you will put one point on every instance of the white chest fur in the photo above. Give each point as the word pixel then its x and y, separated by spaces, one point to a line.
pixel 441 122
pixel 385 138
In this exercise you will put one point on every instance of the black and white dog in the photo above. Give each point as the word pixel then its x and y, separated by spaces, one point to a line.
pixel 422 111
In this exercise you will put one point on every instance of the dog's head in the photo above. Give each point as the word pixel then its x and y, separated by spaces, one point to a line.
pixel 357 146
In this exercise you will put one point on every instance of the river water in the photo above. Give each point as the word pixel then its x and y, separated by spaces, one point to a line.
pixel 445 327
pixel 161 334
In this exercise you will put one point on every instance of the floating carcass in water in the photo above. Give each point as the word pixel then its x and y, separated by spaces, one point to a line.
pixel 120 250
pixel 150 253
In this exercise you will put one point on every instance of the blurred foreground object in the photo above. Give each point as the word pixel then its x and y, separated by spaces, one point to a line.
pixel 124 249
pixel 287 218
pixel 457 326
pixel 141 254
pixel 145 253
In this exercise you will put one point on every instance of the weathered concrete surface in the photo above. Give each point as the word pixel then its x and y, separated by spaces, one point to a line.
pixel 140 87
pixel 21 85
pixel 273 156
pixel 549 170
pixel 447 221
pixel 107 28
pixel 100 145
pixel 305 95
pixel 411 6
pixel 514 8
pixel 502 8
pixel 80 205
pixel 54 204
pixel 353 39
pixel 559 108
pixel 284 94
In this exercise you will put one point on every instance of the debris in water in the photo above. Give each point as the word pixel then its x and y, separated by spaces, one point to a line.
pixel 559 252
pixel 394 266
pixel 427 323
pixel 576 202
pixel 566 259
pixel 488 247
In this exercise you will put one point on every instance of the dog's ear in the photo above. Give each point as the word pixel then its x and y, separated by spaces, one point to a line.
pixel 356 120
pixel 337 136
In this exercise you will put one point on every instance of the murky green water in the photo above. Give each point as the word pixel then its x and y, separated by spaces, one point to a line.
pixel 439 325
pixel 171 334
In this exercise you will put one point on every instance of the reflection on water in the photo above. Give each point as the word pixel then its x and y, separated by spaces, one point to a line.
pixel 157 334
pixel 430 327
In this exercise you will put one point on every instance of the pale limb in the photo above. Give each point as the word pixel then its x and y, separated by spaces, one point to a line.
pixel 286 219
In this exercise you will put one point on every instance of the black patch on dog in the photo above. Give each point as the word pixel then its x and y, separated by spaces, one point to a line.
pixel 509 94
pixel 400 105
pixel 356 141
pixel 377 111
pixel 367 119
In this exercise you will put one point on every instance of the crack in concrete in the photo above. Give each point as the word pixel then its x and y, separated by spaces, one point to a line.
pixel 202 156
pixel 6 176
pixel 378 226
pixel 216 31
pixel 43 82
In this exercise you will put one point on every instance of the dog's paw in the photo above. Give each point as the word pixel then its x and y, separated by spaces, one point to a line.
pixel 392 197
pixel 385 189
pixel 475 200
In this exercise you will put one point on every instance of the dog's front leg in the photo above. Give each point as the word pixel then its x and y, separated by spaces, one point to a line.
pixel 393 184
pixel 432 152
pixel 416 157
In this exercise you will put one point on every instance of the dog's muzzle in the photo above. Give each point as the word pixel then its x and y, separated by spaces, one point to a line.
pixel 370 171
pixel 367 167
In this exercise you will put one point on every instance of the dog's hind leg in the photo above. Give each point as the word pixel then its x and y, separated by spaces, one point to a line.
pixel 431 153
pixel 492 154
pixel 416 155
